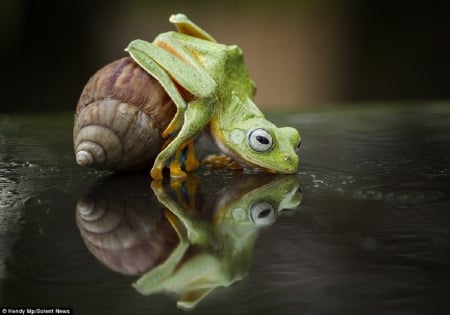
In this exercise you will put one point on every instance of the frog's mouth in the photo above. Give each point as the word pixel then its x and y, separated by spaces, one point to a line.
pixel 269 170
pixel 245 162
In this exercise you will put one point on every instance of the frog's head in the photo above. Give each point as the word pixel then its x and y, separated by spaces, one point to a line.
pixel 262 144
pixel 255 141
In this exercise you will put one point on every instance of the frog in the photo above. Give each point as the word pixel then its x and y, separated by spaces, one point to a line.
pixel 210 86
pixel 216 252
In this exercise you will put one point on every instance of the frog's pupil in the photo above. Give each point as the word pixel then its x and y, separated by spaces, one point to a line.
pixel 262 139
pixel 264 213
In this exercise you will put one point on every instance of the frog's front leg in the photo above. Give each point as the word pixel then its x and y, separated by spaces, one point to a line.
pixel 199 231
pixel 196 116
pixel 183 157
pixel 190 118
pixel 154 280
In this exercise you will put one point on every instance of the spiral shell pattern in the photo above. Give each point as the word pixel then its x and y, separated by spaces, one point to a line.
pixel 119 118
pixel 123 225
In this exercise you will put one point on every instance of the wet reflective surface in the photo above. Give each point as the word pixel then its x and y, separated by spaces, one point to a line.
pixel 129 232
pixel 370 236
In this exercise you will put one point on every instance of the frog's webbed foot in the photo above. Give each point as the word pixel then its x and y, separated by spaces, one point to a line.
pixel 221 161
pixel 184 158
pixel 175 162
pixel 175 166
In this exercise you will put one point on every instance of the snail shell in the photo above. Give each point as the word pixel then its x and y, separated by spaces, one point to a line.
pixel 123 225
pixel 119 118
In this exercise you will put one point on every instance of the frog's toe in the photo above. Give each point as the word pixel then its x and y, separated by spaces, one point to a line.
pixel 157 185
pixel 177 174
pixel 156 173
pixel 175 170
pixel 191 162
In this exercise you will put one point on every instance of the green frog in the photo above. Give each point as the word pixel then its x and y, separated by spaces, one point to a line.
pixel 211 88
pixel 216 252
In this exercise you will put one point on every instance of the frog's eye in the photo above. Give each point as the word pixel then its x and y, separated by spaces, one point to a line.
pixel 260 140
pixel 262 213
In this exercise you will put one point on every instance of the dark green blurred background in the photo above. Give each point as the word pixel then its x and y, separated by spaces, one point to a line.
pixel 300 53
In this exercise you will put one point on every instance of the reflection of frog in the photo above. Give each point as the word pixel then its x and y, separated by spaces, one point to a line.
pixel 222 248
pixel 209 84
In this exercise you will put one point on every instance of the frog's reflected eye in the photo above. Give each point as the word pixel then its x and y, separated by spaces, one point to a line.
pixel 260 140
pixel 262 213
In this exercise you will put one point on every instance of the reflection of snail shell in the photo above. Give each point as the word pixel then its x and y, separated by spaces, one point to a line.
pixel 120 115
pixel 125 228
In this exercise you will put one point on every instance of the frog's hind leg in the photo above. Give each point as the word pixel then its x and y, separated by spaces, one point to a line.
pixel 197 116
pixel 184 158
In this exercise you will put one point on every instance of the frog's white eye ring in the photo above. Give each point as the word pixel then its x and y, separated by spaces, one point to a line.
pixel 260 140
pixel 262 213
